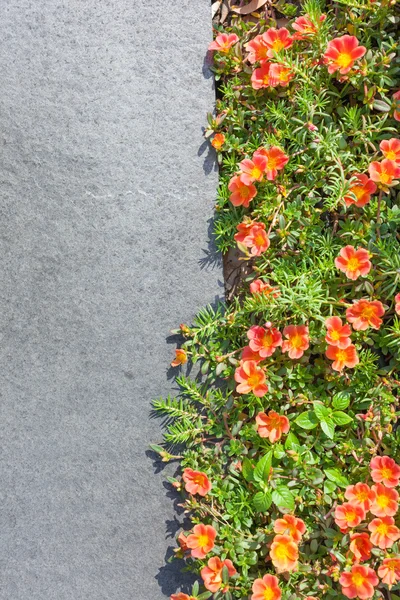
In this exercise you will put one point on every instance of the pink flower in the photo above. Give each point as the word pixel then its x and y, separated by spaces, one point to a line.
pixel 277 40
pixel 342 52
pixel 364 314
pixel 353 262
pixel 223 42
pixel 241 194
pixel 253 170
pixel 258 51
pixel 251 378
pixel 391 149
pixel 297 340
pixel 264 341
pixel 260 78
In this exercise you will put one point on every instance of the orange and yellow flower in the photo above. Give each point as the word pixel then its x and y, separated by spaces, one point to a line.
pixel 342 358
pixel 264 340
pixel 386 501
pixel 348 515
pixel 196 482
pixel 337 334
pixel 353 262
pixel 359 582
pixel 182 596
pixel 396 103
pixel 391 149
pixel 364 314
pixel 201 540
pixel 261 287
pixel 280 75
pixel 305 27
pixel 252 170
pixel 385 470
pixel 342 53
pixel 276 160
pixel 277 40
pixel 242 193
pixel 251 378
pixel 292 526
pixel 397 304
pixel 384 532
pixel 249 354
pixel 362 189
pixel 224 42
pixel 212 573
pixel 360 494
pixel 284 553
pixel 266 588
pixel 360 546
pixel 260 78
pixel 258 51
pixel 389 571
pixel 385 172
pixel 180 358
pixel 297 340
pixel 218 141
pixel 272 426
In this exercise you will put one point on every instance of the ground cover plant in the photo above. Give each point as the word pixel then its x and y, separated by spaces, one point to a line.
pixel 288 439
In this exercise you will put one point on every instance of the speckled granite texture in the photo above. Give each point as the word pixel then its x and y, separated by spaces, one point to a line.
pixel 106 194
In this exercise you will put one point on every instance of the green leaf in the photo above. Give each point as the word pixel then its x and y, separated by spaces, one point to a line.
pixel 204 596
pixel 328 427
pixel 381 106
pixel 279 451
pixel 225 574
pixel 247 469
pixel 262 501
pixel 282 497
pixel 341 400
pixel 263 468
pixel 321 411
pixel 307 420
pixel 341 418
pixel 336 476
pixel 292 441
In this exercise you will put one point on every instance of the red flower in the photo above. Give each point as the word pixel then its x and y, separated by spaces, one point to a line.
pixel 292 526
pixel 241 194
pixel 362 190
pixel 276 160
pixel 182 596
pixel 389 571
pixel 342 53
pixel 201 541
pixel 349 515
pixel 272 426
pixel 297 340
pixel 396 102
pixel 280 75
pixel 361 494
pixel 391 149
pixel 384 532
pixel 251 378
pixel 196 482
pixel 359 582
pixel 364 314
pixel 266 588
pixel 385 470
pixel 260 287
pixel 218 141
pixel 258 51
pixel 256 237
pixel 397 303
pixel 244 230
pixel 353 262
pixel 342 358
pixel 277 40
pixel 305 27
pixel 264 341
pixel 224 42
pixel 181 539
pixel 384 172
pixel 360 546
pixel 180 358
pixel 337 334
pixel 253 170
pixel 386 502
pixel 212 574
pixel 260 78
pixel 249 354
pixel 284 553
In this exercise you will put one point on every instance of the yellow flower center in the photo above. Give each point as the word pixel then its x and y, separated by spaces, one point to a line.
pixel 385 177
pixel 296 341
pixel 259 240
pixel 353 264
pixel 244 192
pixel 267 340
pixel 350 515
pixel 382 501
pixel 272 163
pixel 256 172
pixel 391 155
pixel 382 528
pixel 361 496
pixel 341 357
pixel 198 479
pixel 203 540
pixel 269 594
pixel 335 335
pixel 367 312
pixel 358 579
pixel 266 79
pixel 358 191
pixel 278 45
pixel 253 380
pixel 386 473
pixel 282 551
pixel 344 60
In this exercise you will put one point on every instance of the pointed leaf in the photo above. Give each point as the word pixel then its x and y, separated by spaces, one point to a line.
pixel 263 468
pixel 307 420
pixel 282 497
pixel 328 427
pixel 341 418
pixel 262 501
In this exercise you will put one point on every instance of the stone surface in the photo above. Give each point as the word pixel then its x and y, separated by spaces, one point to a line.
pixel 106 194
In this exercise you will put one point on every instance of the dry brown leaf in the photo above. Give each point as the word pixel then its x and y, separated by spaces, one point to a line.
pixel 224 11
pixel 249 8
pixel 215 7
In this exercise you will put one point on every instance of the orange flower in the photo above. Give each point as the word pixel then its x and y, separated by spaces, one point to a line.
pixel 364 314
pixel 292 526
pixel 305 27
pixel 280 75
pixel 389 571
pixel 359 582
pixel 342 358
pixel 252 170
pixel 182 596
pixel 196 482
pixel 384 532
pixel 342 53
pixel 218 141
pixel 212 574
pixel 258 51
pixel 349 515
pixel 244 230
pixel 396 103
pixel 266 588
pixel 384 172
pixel 386 502
pixel 277 40
pixel 257 239
pixel 337 334
pixel 284 553
pixel 353 262
pixel 391 149
pixel 181 539
pixel 360 546
pixel 264 341
pixel 397 303
pixel 385 470
pixel 251 378
pixel 362 189
pixel 241 194
pixel 360 494
pixel 260 78
pixel 201 541
pixel 180 358
pixel 297 340
pixel 260 287
pixel 276 160
pixel 224 42
pixel 272 426
pixel 249 354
